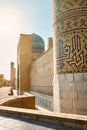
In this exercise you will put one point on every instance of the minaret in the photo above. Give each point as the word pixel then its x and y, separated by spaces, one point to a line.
pixel 70 57
pixel 50 42
pixel 13 76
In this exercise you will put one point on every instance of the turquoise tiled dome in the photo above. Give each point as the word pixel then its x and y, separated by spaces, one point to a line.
pixel 37 41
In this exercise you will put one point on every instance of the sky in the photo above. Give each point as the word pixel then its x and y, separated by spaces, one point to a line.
pixel 21 17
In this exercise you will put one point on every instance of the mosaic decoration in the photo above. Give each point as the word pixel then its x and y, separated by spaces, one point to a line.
pixel 70 30
pixel 63 5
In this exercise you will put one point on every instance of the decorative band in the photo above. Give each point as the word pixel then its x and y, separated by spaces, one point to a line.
pixel 71 12
pixel 69 31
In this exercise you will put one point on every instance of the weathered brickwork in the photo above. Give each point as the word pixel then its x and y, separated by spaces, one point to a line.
pixel 24 60
pixel 41 74
pixel 13 76
pixel 35 67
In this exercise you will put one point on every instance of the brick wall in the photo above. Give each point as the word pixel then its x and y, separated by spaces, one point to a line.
pixel 41 74
pixel 24 61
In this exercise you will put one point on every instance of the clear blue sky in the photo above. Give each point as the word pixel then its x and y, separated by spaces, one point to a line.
pixel 21 16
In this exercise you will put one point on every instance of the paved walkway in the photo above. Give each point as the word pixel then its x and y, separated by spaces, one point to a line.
pixel 8 122
pixel 18 123
pixel 4 92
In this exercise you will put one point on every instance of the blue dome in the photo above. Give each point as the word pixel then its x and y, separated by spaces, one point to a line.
pixel 37 41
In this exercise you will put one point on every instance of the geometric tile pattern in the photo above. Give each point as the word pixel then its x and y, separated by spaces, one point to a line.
pixel 70 29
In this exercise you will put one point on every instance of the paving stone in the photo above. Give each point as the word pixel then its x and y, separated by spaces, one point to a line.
pixel 3 128
pixel 18 123
pixel 4 92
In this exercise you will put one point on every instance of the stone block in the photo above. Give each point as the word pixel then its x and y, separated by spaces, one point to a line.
pixel 81 104
pixel 62 77
pixel 68 94
pixel 80 86
pixel 78 77
pixel 74 111
pixel 67 110
pixel 85 76
pixel 82 111
pixel 65 86
pixel 69 77
pixel 82 95
pixel 66 103
pixel 75 126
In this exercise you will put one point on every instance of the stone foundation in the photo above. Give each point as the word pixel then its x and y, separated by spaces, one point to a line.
pixel 43 100
pixel 72 89
pixel 27 102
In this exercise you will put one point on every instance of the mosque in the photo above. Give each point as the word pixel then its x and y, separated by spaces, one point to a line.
pixel 57 77
pixel 35 68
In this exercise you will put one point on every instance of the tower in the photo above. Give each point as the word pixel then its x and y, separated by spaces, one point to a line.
pixel 13 76
pixel 70 57
pixel 23 63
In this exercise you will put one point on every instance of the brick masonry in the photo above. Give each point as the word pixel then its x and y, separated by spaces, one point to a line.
pixel 41 74
pixel 24 60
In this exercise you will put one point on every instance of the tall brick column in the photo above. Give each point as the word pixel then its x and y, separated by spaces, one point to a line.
pixel 70 55
pixel 24 56
pixel 13 76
